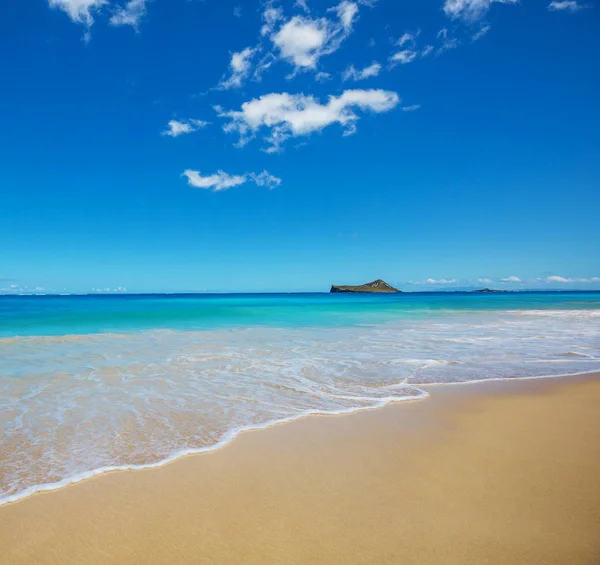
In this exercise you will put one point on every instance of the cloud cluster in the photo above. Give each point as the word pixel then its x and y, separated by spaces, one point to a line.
pixel 222 180
pixel 130 14
pixel 80 11
pixel 556 279
pixel 292 115
pixel 471 10
pixel 175 128
pixel 300 40
pixel 434 282
pixel 565 6
pixel 83 12
pixel 352 73
pixel 408 50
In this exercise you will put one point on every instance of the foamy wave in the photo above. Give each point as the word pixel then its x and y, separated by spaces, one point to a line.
pixel 75 406
pixel 573 314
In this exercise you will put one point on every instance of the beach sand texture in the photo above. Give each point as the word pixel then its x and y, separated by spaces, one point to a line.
pixel 490 473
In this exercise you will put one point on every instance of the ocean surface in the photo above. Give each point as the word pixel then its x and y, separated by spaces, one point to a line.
pixel 94 383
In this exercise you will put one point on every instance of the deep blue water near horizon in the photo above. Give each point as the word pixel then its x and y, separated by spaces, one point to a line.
pixel 90 383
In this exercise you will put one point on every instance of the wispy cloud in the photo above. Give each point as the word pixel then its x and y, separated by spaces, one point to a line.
pixel 482 31
pixel 292 115
pixel 512 279
pixel 564 280
pixel 130 14
pixel 303 5
pixel 240 68
pixel 566 6
pixel 434 282
pixel 412 108
pixel 176 128
pixel 222 180
pixel 471 10
pixel 447 41
pixel 486 281
pixel 322 77
pixel 404 57
pixel 352 73
pixel 408 52
pixel 80 11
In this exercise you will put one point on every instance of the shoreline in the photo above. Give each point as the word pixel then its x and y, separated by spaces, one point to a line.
pixel 502 472
pixel 235 433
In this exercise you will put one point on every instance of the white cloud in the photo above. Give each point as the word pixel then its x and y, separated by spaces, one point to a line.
pixel 80 11
pixel 270 16
pixel 302 40
pixel 222 181
pixel 412 108
pixel 407 39
pixel 322 77
pixel 442 281
pixel 108 289
pixel 482 31
pixel 237 11
pixel 512 279
pixel 434 282
pixel 288 115
pixel 265 179
pixel 130 14
pixel 471 10
pixel 409 53
pixel 346 11
pixel 566 6
pixel 448 42
pixel 486 281
pixel 176 128
pixel 240 67
pixel 556 279
pixel 351 73
pixel 302 5
pixel 404 57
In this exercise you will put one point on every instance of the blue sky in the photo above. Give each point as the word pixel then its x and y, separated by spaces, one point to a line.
pixel 189 145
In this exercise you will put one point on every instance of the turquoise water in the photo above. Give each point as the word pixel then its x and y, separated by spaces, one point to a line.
pixel 63 315
pixel 92 383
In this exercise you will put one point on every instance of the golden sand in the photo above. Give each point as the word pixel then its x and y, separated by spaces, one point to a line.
pixel 494 473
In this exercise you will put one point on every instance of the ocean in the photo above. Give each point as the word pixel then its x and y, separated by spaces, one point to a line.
pixel 96 383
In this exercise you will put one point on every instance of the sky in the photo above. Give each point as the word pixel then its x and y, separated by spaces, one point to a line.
pixel 249 146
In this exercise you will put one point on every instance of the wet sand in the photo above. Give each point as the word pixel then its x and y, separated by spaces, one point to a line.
pixel 491 473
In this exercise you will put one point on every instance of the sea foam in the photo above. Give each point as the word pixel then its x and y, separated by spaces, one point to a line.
pixel 78 405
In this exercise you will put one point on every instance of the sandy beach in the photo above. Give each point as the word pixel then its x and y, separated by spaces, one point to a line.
pixel 498 473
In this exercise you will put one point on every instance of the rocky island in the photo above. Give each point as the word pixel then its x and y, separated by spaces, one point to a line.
pixel 375 286
pixel 488 291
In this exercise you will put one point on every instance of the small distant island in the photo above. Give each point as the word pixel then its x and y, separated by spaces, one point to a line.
pixel 375 286
pixel 487 291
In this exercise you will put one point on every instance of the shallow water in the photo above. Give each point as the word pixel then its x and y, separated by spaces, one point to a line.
pixel 94 383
